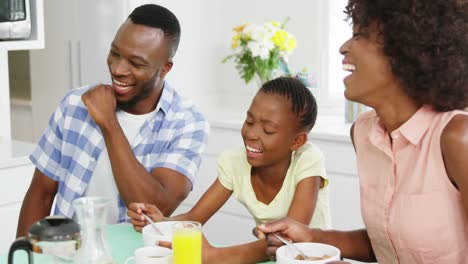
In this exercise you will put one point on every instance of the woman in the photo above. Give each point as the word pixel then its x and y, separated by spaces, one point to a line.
pixel 408 60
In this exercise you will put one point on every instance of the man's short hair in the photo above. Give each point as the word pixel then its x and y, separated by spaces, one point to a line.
pixel 156 16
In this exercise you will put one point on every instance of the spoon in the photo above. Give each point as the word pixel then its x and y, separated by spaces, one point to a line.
pixel 152 224
pixel 289 244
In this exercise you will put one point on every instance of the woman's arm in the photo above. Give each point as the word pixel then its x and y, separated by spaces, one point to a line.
pixel 352 244
pixel 454 146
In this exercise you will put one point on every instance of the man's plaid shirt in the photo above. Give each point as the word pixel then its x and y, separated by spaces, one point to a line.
pixel 70 147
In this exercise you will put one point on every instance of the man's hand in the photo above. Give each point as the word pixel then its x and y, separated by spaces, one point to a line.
pixel 101 103
pixel 135 211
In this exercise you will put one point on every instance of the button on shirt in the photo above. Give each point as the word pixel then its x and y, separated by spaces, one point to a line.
pixel 72 143
pixel 412 211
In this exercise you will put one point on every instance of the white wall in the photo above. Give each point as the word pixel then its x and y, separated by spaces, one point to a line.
pixel 198 71
pixel 206 34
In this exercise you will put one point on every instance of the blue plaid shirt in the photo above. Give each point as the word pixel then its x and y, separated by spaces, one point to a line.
pixel 70 147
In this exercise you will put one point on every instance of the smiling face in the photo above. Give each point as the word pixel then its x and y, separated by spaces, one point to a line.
pixel 270 130
pixel 138 61
pixel 370 77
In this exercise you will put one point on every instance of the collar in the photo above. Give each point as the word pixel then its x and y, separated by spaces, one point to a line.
pixel 415 128
pixel 166 97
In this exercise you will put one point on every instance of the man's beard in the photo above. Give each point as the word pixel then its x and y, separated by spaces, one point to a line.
pixel 130 104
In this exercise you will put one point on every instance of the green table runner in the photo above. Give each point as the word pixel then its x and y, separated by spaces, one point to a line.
pixel 122 239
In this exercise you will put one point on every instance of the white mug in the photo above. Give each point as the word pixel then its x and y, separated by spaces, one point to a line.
pixel 151 255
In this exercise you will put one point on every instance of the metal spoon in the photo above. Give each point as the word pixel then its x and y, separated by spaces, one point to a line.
pixel 289 244
pixel 152 224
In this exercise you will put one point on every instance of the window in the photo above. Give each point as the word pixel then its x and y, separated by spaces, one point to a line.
pixel 338 32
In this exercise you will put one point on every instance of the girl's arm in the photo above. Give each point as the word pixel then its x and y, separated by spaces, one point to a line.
pixel 252 252
pixel 454 145
pixel 352 244
pixel 210 202
pixel 215 197
pixel 305 199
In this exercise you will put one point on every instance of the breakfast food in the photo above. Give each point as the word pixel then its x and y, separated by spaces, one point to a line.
pixel 301 257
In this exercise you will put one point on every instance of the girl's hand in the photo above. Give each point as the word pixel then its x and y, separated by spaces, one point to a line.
pixel 258 233
pixel 138 221
pixel 287 228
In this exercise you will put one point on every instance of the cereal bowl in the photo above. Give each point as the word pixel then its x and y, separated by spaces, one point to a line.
pixel 322 253
pixel 150 236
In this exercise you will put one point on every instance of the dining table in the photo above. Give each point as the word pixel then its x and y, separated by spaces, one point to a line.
pixel 122 239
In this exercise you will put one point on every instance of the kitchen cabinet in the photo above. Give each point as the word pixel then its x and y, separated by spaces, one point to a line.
pixel 77 41
pixel 15 173
pixel 35 41
pixel 15 168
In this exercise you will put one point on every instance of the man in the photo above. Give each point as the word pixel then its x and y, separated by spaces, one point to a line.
pixel 134 140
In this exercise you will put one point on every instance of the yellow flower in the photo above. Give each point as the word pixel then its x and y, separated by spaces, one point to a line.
pixel 235 40
pixel 291 44
pixel 284 41
pixel 279 37
pixel 240 27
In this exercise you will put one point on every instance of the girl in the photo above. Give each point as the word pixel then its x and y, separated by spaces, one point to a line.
pixel 277 173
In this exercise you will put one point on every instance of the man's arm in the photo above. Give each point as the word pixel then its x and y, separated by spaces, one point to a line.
pixel 164 187
pixel 37 201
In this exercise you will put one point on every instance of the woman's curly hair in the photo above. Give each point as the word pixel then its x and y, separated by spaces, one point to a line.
pixel 426 42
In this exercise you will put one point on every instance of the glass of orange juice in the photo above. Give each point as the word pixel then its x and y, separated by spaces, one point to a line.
pixel 187 242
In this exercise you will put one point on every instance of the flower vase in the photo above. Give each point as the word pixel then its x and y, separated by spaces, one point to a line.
pixel 353 110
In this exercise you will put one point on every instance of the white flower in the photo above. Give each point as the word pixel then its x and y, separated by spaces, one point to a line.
pixel 260 43
pixel 271 29
pixel 261 49
pixel 255 32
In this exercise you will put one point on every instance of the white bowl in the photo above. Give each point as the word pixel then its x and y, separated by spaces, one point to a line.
pixel 287 255
pixel 150 237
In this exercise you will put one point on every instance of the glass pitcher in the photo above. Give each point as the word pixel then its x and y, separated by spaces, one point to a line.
pixel 92 214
